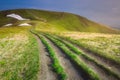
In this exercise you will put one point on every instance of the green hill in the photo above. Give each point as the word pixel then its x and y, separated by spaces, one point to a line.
pixel 55 21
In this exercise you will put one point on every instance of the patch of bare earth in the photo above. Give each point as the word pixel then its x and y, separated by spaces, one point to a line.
pixel 45 72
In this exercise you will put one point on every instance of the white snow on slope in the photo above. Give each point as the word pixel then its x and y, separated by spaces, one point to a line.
pixel 10 24
pixel 16 16
pixel 25 24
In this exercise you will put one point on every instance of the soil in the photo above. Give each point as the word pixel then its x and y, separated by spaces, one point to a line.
pixel 46 72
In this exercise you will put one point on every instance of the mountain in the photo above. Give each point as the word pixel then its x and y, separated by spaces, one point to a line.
pixel 54 21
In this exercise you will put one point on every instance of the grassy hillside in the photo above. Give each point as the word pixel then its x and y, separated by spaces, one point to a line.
pixel 56 21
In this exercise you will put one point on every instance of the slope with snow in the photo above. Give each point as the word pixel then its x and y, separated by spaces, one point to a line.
pixel 10 24
pixel 16 16
pixel 25 24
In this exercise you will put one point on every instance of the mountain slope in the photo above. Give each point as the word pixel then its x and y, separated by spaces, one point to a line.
pixel 56 21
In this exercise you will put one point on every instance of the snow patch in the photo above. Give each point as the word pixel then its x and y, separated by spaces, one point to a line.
pixel 16 16
pixel 25 24
pixel 10 24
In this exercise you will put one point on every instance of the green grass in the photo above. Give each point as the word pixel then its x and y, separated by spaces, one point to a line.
pixel 19 56
pixel 57 21
pixel 107 55
pixel 90 73
pixel 78 52
pixel 56 64
pixel 105 45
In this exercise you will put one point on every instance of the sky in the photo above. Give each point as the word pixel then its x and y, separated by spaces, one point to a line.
pixel 103 11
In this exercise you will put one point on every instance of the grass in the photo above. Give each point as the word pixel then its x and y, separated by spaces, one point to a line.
pixel 57 21
pixel 56 64
pixel 18 54
pixel 78 52
pixel 106 45
pixel 88 71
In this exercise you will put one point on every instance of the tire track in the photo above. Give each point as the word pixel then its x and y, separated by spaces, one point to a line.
pixel 99 59
pixel 45 72
pixel 102 73
pixel 102 60
pixel 72 73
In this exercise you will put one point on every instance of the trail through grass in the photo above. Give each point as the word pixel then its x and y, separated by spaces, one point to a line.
pixel 56 64
pixel 88 71
pixel 78 52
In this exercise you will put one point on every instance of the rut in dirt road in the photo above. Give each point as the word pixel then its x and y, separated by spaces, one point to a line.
pixel 103 74
pixel 97 68
pixel 100 60
pixel 45 72
pixel 69 68
pixel 111 65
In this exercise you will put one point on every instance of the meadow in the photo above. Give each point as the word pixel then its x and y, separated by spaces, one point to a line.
pixel 18 54
pixel 107 45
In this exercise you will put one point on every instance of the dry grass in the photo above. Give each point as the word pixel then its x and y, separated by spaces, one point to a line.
pixel 86 35
pixel 104 44
pixel 18 54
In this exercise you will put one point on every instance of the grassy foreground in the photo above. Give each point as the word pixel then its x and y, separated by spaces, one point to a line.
pixel 80 53
pixel 19 58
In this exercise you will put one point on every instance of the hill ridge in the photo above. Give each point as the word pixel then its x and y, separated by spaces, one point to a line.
pixel 56 21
